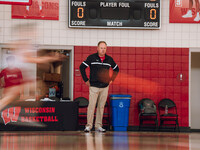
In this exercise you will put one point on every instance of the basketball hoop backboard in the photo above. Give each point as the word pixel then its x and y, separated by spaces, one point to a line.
pixel 16 2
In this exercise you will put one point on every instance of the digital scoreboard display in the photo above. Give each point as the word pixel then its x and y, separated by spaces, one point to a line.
pixel 136 14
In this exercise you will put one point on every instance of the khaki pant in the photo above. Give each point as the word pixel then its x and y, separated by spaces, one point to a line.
pixel 96 95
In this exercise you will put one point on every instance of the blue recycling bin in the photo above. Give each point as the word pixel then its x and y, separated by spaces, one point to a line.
pixel 120 111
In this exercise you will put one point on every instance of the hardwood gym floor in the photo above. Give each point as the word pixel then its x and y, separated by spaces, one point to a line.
pixel 75 140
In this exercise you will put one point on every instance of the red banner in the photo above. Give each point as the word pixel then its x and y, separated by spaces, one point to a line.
pixel 184 11
pixel 40 9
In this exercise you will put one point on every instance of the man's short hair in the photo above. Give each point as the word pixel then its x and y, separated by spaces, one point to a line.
pixel 101 42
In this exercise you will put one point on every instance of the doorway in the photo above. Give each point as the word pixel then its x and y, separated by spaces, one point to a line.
pixel 56 75
pixel 195 90
pixel 65 67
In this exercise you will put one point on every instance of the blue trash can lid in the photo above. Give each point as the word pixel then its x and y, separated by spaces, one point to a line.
pixel 119 96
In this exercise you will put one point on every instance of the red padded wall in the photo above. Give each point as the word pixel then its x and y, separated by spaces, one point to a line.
pixel 160 65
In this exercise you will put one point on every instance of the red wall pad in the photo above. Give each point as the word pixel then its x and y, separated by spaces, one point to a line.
pixel 144 73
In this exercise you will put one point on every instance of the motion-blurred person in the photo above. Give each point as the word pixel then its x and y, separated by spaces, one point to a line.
pixel 11 74
pixel 25 55
pixel 189 12
pixel 98 83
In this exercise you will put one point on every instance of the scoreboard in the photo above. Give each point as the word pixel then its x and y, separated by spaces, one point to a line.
pixel 133 14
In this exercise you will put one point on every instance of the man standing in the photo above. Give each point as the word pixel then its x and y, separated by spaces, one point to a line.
pixel 98 83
